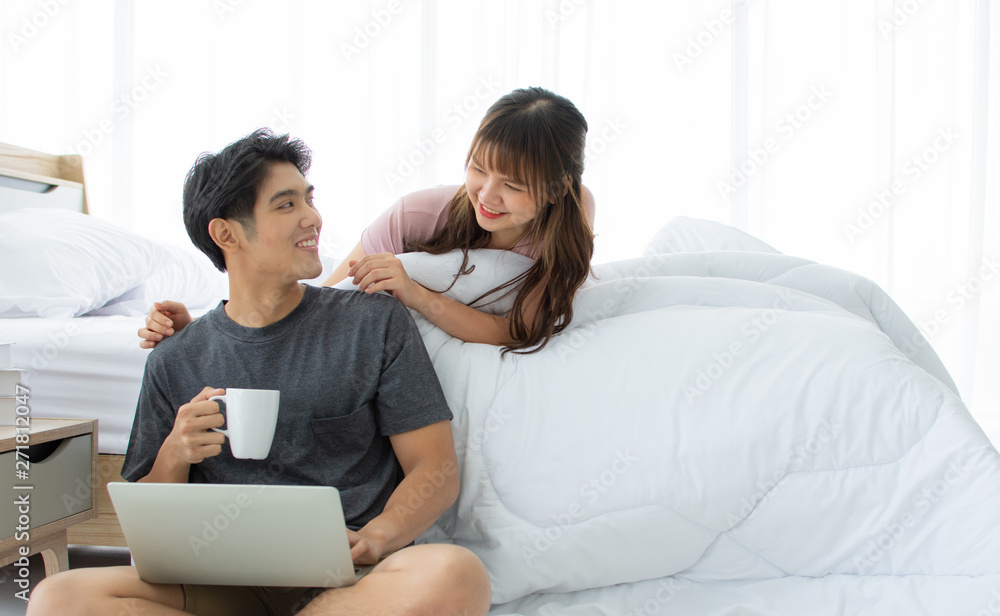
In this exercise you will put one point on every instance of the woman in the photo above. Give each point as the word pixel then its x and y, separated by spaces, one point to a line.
pixel 522 192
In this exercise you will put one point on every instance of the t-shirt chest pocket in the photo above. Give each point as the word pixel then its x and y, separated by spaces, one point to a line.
pixel 347 434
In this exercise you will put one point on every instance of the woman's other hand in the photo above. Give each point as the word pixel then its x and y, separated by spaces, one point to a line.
pixel 164 319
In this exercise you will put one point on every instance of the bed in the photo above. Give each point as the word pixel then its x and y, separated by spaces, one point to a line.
pixel 718 432
pixel 72 309
pixel 722 429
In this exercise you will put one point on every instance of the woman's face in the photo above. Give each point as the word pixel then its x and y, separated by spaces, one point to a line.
pixel 502 205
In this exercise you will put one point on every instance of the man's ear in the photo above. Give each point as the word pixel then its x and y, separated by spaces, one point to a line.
pixel 225 234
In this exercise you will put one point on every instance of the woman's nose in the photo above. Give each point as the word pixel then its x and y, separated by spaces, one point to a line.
pixel 489 190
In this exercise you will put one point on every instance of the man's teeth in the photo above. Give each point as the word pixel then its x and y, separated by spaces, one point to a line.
pixel 307 243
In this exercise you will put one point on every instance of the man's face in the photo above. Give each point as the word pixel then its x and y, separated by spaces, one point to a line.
pixel 285 244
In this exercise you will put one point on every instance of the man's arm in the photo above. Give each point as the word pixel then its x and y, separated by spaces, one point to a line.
pixel 191 439
pixel 430 485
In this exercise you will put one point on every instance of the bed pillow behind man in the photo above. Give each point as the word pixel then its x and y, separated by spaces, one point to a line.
pixel 60 264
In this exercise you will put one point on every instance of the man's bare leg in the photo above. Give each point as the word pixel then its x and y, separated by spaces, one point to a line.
pixel 438 580
pixel 104 591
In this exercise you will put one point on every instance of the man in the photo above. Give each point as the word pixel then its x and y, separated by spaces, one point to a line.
pixel 361 408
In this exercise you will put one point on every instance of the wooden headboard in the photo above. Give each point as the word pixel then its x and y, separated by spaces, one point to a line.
pixel 43 173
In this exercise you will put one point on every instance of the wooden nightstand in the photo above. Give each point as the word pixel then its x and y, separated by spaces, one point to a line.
pixel 61 470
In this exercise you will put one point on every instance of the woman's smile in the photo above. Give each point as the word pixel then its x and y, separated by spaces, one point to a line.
pixel 491 214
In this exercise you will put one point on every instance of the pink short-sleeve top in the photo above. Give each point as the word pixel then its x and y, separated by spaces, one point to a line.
pixel 419 215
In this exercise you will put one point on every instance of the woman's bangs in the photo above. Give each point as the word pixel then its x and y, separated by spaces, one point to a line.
pixel 517 161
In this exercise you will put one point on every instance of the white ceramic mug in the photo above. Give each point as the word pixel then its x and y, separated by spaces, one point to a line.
pixel 251 415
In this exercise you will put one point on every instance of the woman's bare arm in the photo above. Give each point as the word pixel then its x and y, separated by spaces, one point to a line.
pixel 384 272
pixel 341 272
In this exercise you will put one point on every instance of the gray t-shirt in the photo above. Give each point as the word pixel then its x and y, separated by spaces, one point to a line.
pixel 352 370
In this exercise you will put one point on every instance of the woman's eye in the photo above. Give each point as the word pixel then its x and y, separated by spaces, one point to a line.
pixel 478 170
pixel 514 188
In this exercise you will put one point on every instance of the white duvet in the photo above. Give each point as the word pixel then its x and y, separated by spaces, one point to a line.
pixel 717 433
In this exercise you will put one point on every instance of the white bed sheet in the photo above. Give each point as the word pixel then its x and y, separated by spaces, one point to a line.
pixel 87 367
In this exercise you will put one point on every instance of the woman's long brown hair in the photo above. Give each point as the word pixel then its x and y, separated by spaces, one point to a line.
pixel 537 138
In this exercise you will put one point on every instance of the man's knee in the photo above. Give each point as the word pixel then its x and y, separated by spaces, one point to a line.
pixel 459 560
pixel 459 580
pixel 54 594
pixel 92 589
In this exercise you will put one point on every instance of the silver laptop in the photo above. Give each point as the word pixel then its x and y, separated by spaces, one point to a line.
pixel 235 535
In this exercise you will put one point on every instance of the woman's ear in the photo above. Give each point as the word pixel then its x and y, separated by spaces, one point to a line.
pixel 567 183
pixel 558 189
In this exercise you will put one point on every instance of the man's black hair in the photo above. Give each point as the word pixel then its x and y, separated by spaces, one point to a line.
pixel 225 185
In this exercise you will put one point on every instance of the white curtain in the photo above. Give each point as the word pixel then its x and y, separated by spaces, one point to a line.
pixel 860 133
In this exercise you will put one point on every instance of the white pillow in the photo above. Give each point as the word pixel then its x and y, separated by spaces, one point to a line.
pixel 180 274
pixel 491 269
pixel 58 263
pixel 186 275
pixel 683 234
